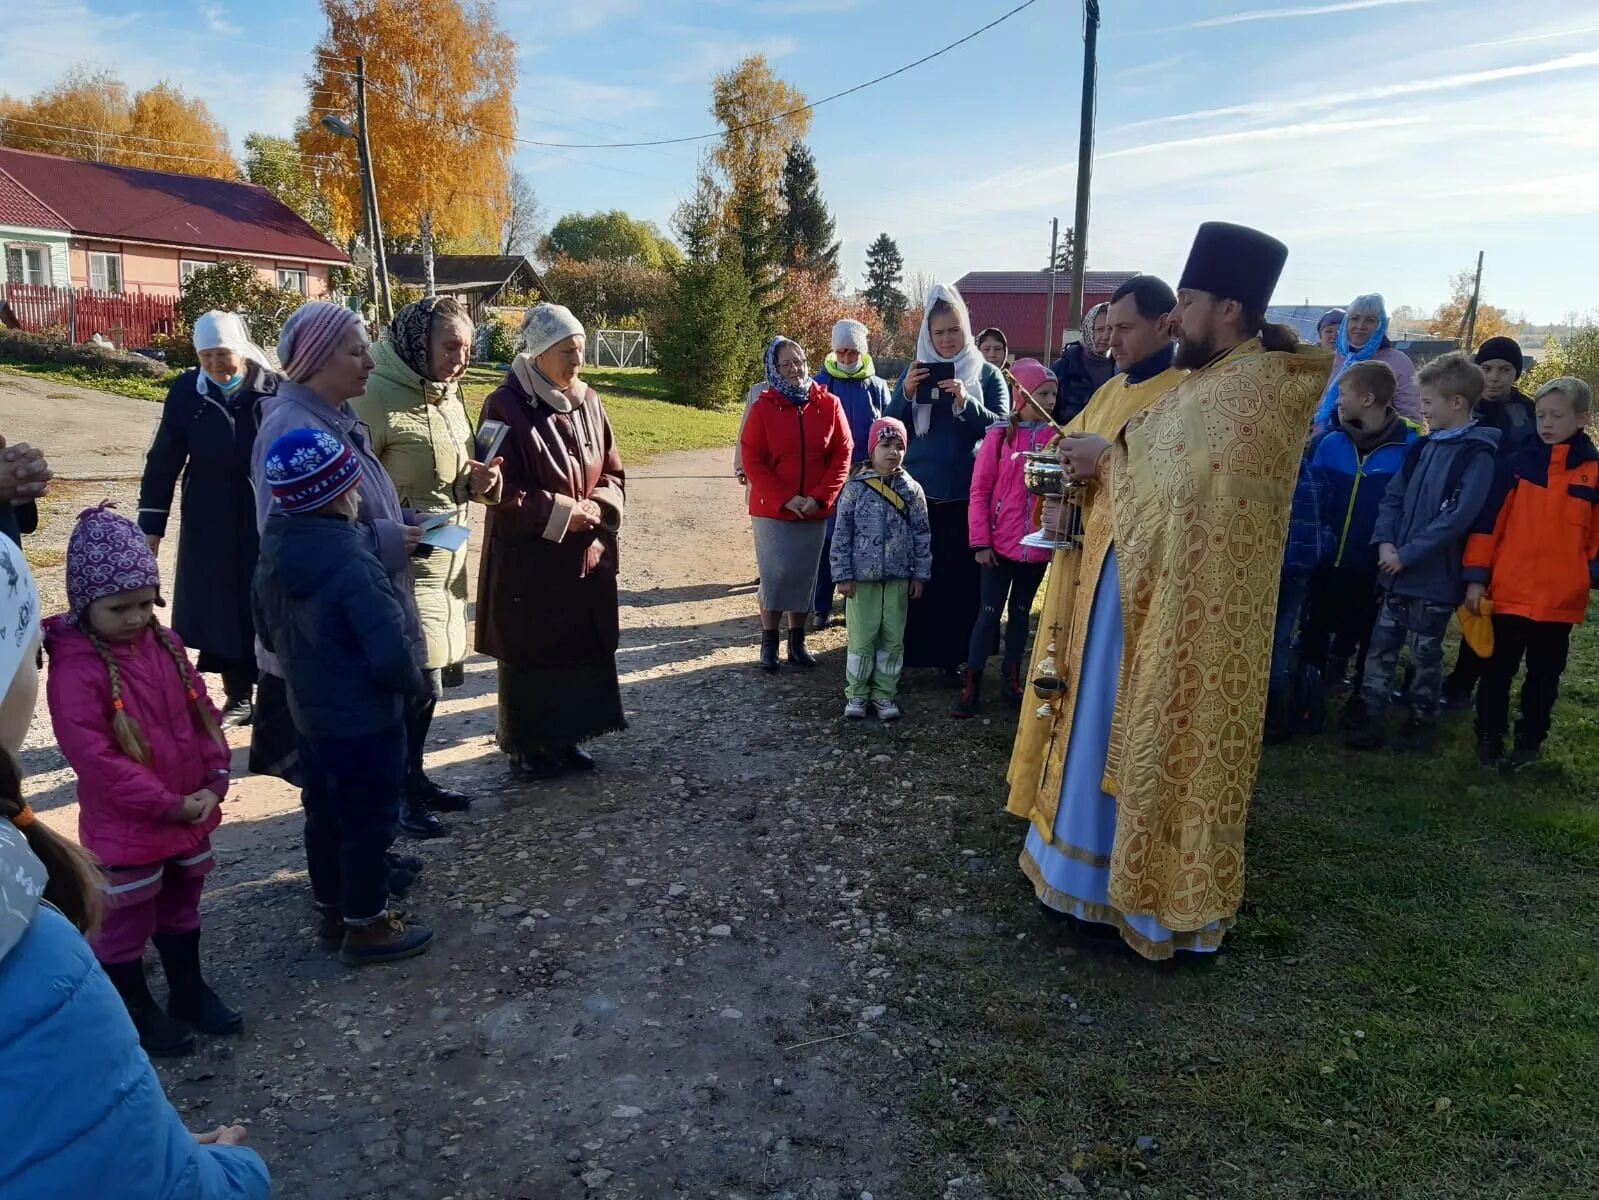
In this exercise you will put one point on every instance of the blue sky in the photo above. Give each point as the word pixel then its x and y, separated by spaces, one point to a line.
pixel 1386 141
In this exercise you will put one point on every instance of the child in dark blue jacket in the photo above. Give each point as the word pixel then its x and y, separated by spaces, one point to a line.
pixel 325 608
pixel 1353 463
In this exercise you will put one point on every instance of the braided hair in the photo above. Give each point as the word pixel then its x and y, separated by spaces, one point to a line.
pixel 73 879
pixel 130 738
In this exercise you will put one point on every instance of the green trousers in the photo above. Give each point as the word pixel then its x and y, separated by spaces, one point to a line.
pixel 875 618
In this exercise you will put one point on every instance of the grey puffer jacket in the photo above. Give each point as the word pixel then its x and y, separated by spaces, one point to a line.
pixel 875 539
pixel 1429 509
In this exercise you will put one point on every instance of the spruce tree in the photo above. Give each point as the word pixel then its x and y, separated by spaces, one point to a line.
pixel 885 267
pixel 754 241
pixel 807 227
pixel 708 346
pixel 1065 251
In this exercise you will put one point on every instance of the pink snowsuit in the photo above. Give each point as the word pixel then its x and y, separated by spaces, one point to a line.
pixel 999 511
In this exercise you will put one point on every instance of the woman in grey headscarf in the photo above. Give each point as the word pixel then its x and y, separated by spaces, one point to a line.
pixel 547 599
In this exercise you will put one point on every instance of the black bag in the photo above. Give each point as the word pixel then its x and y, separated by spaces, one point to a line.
pixel 1307 701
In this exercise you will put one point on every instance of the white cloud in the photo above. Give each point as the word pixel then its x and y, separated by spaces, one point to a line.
pixel 1313 10
pixel 216 20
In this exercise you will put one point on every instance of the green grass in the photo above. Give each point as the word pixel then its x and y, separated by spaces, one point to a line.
pixel 119 385
pixel 635 397
pixel 1408 1007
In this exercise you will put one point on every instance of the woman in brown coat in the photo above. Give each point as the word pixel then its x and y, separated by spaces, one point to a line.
pixel 547 606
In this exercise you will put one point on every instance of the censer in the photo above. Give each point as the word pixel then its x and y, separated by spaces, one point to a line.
pixel 1059 511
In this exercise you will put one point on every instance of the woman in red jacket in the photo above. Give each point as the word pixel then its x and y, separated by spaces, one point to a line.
pixel 796 453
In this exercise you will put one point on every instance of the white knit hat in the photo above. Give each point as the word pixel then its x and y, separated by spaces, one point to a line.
pixel 849 334
pixel 547 324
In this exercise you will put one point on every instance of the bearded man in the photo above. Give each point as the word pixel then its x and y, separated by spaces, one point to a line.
pixel 1165 670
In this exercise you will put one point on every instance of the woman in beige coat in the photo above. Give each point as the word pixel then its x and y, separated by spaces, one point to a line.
pixel 420 432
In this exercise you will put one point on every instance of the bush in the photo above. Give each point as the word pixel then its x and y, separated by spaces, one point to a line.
pixel 708 346
pixel 497 341
pixel 179 349
pixel 609 295
pixel 238 287
pixel 19 346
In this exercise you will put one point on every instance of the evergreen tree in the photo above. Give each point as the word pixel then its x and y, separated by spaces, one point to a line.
pixel 807 226
pixel 709 343
pixel 753 241
pixel 885 267
pixel 1065 251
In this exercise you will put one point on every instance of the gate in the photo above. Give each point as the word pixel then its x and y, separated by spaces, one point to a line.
pixel 619 348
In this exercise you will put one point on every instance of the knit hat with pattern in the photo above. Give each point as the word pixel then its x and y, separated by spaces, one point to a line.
pixel 311 335
pixel 886 427
pixel 308 468
pixel 106 555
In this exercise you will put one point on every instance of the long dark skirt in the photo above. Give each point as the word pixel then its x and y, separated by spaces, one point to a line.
pixel 940 623
pixel 546 710
pixel 274 746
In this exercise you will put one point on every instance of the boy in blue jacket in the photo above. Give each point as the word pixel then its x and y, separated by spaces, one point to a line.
pixel 325 608
pixel 1353 463
pixel 1428 511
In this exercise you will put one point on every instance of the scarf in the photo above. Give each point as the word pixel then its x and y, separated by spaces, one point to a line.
pixel 1087 327
pixel 800 390
pixel 217 330
pixel 1367 440
pixel 865 370
pixel 1329 398
pixel 968 360
pixel 540 386
pixel 411 333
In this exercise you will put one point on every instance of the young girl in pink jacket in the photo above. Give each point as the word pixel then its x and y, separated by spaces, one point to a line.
pixel 997 520
pixel 135 723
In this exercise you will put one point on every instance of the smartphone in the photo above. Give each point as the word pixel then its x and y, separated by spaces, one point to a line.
pixel 937 373
pixel 490 437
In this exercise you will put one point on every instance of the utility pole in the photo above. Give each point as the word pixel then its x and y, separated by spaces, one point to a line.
pixel 369 189
pixel 1085 154
pixel 1469 321
pixel 1049 313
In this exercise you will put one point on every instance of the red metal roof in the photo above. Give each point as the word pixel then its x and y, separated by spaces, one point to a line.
pixel 19 206
pixel 1018 301
pixel 132 204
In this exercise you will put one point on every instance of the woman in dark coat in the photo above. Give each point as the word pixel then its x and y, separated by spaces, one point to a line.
pixel 547 602
pixel 207 431
pixel 1084 366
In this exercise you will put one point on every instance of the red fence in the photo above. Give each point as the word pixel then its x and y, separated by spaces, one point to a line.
pixel 129 321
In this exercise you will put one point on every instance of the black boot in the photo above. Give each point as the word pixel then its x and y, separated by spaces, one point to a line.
pixel 798 655
pixel 191 999
pixel 424 793
pixel 769 662
pixel 1278 730
pixel 1015 693
pixel 238 713
pixel 159 1034
pixel 416 822
pixel 971 701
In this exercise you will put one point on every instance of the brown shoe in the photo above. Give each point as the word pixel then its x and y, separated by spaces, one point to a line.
pixel 384 941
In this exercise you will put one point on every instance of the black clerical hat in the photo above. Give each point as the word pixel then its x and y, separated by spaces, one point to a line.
pixel 1234 262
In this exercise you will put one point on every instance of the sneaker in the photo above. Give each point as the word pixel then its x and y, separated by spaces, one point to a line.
pixel 855 710
pixel 385 941
pixel 887 710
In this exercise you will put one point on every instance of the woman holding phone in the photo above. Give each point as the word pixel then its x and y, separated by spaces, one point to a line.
pixel 947 399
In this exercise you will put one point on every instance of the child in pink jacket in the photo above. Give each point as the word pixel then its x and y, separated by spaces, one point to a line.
pixel 135 723
pixel 997 519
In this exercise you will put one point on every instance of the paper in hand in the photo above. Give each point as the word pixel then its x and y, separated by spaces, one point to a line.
pixel 446 536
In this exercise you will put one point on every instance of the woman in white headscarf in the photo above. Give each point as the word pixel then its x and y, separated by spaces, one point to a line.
pixel 947 399
pixel 206 433
pixel 547 601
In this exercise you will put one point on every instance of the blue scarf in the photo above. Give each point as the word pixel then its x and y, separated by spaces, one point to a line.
pixel 800 391
pixel 1329 398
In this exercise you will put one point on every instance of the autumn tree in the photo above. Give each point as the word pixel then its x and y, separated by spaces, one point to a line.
pixel 885 267
pixel 807 227
pixel 814 307
pixel 275 164
pixel 440 117
pixel 759 116
pixel 1450 319
pixel 609 295
pixel 521 217
pixel 610 237
pixel 91 115
pixel 1576 353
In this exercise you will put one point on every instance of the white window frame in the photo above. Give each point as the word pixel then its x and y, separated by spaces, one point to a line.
pixel 44 277
pixel 188 266
pixel 296 279
pixel 110 263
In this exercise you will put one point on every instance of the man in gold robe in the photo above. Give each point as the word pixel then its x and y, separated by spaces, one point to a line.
pixel 1136 777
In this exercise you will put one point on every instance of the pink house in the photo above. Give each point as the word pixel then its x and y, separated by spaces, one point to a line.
pixel 142 232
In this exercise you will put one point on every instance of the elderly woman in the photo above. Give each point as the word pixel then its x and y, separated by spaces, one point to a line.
pixel 419 430
pixel 796 450
pixel 1363 337
pixel 1084 366
pixel 947 420
pixel 547 587
pixel 205 436
pixel 1327 328
pixel 326 360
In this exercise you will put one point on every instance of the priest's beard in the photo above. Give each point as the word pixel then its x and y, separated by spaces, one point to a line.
pixel 1193 353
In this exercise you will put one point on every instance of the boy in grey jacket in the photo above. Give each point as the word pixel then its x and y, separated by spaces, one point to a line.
pixel 882 558
pixel 1428 511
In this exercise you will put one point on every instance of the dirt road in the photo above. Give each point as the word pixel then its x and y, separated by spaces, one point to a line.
pixel 641 979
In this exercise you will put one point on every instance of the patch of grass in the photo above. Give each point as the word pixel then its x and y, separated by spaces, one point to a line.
pixel 1408 1006
pixel 117 385
pixel 645 424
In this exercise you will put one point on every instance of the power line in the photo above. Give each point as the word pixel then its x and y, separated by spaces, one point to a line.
pixel 111 133
pixel 704 137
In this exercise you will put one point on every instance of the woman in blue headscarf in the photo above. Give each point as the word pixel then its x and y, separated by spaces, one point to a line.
pixel 1363 337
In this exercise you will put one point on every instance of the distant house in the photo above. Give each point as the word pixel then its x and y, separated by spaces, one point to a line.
pixel 66 223
pixel 477 280
pixel 1018 301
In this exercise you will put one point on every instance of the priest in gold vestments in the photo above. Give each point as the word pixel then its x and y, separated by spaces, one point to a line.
pixel 1136 778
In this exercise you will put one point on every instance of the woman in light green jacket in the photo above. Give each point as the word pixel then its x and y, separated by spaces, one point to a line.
pixel 420 432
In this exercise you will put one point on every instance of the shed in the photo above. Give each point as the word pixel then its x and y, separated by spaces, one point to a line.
pixel 1018 301
pixel 476 280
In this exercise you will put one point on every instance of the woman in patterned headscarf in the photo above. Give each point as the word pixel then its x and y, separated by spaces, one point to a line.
pixel 420 433
pixel 1085 366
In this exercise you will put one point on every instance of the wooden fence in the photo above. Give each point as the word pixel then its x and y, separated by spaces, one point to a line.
pixel 79 313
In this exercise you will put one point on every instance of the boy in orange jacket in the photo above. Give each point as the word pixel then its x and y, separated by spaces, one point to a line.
pixel 1532 561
